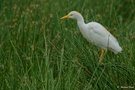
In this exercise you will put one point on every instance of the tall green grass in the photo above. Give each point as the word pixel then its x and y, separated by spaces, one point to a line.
pixel 38 51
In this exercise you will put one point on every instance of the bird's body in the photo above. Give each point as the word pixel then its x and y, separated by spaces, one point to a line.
pixel 96 33
pixel 99 36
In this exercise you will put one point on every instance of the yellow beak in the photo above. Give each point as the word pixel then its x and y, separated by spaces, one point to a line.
pixel 67 16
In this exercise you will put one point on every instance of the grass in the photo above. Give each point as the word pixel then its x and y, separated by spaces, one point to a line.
pixel 38 51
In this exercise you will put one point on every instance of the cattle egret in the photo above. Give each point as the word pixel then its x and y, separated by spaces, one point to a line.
pixel 96 33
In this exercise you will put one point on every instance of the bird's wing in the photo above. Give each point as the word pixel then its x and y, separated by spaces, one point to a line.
pixel 98 29
pixel 100 36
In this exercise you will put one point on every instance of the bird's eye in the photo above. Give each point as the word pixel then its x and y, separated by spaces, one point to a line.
pixel 71 14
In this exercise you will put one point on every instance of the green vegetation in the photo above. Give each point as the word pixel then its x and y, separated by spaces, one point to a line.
pixel 38 51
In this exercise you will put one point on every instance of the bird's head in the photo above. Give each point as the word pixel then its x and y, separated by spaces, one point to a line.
pixel 73 15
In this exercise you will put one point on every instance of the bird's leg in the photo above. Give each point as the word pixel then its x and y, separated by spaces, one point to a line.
pixel 101 56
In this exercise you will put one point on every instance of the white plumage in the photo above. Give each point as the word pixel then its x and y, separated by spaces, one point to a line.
pixel 96 33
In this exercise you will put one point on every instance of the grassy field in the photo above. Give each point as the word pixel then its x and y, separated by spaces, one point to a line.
pixel 38 51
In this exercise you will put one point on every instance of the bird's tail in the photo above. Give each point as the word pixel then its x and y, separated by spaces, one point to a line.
pixel 117 49
pixel 114 45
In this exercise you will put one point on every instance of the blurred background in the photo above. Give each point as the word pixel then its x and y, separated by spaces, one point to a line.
pixel 38 51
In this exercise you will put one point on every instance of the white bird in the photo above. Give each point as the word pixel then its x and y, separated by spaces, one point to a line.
pixel 96 33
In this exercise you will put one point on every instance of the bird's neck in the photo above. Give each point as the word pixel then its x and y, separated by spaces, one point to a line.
pixel 81 24
pixel 80 19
